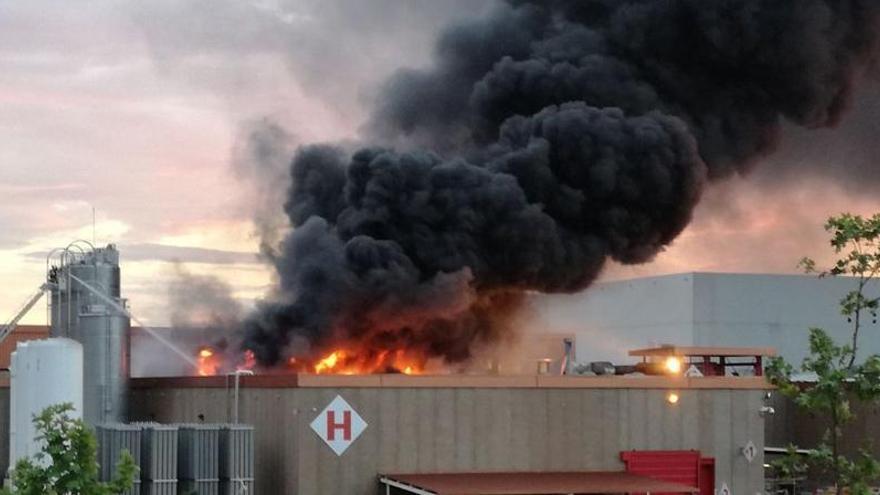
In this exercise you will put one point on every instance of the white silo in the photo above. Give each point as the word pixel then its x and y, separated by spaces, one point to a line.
pixel 43 373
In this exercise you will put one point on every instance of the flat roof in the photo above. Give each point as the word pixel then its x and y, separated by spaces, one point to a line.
pixel 305 380
pixel 525 483
pixel 678 350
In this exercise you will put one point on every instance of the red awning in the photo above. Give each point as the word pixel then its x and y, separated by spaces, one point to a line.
pixel 524 483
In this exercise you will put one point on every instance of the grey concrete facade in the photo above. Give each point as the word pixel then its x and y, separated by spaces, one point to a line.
pixel 703 309
pixel 570 424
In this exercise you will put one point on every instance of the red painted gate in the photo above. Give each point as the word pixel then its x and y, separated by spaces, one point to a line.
pixel 678 466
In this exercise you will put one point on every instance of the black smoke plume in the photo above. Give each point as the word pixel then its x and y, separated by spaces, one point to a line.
pixel 546 139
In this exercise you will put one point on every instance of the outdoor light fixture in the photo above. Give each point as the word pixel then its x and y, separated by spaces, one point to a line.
pixel 767 411
pixel 672 397
pixel 672 365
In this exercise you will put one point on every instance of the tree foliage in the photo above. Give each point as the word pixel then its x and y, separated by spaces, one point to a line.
pixel 67 463
pixel 839 378
pixel 857 241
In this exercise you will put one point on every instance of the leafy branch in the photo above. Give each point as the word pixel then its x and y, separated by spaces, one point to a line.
pixel 67 463
pixel 839 378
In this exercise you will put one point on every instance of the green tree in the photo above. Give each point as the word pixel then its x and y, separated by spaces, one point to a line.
pixel 840 378
pixel 67 464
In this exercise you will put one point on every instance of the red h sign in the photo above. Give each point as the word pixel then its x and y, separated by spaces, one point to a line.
pixel 332 425
pixel 338 425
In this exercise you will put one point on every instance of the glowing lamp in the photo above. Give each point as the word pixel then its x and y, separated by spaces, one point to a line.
pixel 672 365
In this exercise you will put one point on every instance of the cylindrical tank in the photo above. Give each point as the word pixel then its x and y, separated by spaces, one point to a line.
pixel 103 330
pixel 42 373
pixel 105 337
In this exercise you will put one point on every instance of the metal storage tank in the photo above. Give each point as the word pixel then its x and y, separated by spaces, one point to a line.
pixel 158 459
pixel 86 306
pixel 113 439
pixel 236 459
pixel 198 465
pixel 43 373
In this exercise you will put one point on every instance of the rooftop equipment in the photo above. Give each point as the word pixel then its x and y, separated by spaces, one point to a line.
pixel 709 361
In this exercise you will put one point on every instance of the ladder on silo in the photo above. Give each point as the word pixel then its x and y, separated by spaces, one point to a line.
pixel 8 328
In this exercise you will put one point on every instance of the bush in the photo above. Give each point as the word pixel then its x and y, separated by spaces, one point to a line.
pixel 67 463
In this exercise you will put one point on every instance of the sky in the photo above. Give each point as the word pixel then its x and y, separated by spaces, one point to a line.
pixel 141 112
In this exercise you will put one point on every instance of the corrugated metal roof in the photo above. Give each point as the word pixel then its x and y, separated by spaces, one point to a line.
pixel 525 483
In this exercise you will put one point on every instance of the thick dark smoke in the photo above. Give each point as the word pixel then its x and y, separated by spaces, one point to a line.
pixel 564 134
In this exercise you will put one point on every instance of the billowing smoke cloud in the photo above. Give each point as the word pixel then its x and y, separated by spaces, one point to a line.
pixel 260 158
pixel 563 134
pixel 201 301
pixel 202 309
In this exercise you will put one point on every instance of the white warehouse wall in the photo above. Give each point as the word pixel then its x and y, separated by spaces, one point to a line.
pixel 775 311
pixel 720 309
pixel 611 318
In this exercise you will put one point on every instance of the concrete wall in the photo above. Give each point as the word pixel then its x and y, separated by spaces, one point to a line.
pixel 713 309
pixel 430 429
pixel 612 318
pixel 775 311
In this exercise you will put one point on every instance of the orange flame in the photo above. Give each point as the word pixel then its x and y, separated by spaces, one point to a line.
pixel 328 363
pixel 207 363
pixel 341 361
pixel 250 361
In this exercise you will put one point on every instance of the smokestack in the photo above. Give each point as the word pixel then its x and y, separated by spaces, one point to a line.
pixel 546 139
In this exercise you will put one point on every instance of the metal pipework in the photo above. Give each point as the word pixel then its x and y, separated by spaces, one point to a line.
pixel 237 374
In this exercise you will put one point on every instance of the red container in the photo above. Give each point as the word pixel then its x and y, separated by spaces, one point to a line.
pixel 687 467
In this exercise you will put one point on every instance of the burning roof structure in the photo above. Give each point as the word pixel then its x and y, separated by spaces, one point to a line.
pixel 546 139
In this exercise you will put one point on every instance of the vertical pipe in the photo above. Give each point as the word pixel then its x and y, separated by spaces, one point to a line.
pixel 228 403
pixel 69 300
pixel 235 392
pixel 237 379
pixel 108 368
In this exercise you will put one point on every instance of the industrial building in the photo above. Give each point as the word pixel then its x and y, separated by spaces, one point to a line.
pixel 359 434
pixel 466 424
pixel 704 309
pixel 457 424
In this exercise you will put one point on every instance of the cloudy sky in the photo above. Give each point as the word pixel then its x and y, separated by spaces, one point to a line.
pixel 142 111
